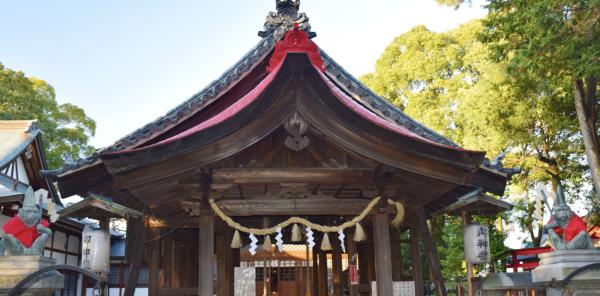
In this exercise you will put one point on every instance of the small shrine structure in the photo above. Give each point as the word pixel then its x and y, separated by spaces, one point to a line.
pixel 285 138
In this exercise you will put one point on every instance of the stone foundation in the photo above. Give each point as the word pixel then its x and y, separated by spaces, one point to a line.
pixel 15 268
pixel 557 265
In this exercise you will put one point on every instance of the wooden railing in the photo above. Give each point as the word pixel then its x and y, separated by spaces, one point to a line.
pixel 527 266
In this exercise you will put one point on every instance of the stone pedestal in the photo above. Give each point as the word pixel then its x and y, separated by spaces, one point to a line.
pixel 557 265
pixel 15 268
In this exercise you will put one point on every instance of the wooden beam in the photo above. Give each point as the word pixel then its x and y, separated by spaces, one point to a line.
pixel 292 207
pixel 415 255
pixel 293 175
pixel 383 255
pixel 432 254
pixel 206 250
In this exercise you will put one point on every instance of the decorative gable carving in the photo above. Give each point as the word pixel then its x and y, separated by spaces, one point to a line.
pixel 296 126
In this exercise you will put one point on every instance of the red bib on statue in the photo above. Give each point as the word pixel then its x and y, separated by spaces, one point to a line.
pixel 26 235
pixel 575 226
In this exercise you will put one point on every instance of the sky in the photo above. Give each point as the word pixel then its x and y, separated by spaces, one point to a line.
pixel 128 62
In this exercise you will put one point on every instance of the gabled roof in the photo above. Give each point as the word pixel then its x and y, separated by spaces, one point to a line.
pixel 478 203
pixel 22 138
pixel 97 206
pixel 358 91
pixel 15 136
pixel 295 68
pixel 253 85
pixel 275 28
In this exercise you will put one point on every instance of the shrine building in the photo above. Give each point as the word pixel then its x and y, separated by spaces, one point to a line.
pixel 286 147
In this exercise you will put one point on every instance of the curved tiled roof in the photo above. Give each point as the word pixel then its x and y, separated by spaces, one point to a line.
pixel 349 84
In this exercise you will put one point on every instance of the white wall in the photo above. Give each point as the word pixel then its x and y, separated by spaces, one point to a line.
pixel 22 173
pixel 73 246
pixel 20 170
pixel 60 241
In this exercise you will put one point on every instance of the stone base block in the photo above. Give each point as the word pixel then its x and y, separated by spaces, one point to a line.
pixel 557 265
pixel 15 268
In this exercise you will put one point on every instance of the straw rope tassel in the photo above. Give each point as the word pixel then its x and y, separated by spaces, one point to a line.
pixel 325 245
pixel 236 242
pixel 267 244
pixel 296 235
pixel 359 233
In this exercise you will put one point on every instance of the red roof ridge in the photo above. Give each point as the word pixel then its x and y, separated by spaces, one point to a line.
pixel 296 41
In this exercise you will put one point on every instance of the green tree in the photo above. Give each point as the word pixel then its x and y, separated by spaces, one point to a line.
pixel 452 253
pixel 553 39
pixel 452 247
pixel 449 82
pixel 66 128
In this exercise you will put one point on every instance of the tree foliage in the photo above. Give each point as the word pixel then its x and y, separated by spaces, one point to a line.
pixel 452 3
pixel 553 40
pixel 449 82
pixel 66 128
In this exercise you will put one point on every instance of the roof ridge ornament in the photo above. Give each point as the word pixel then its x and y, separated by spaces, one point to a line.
pixel 288 8
pixel 296 40
pixel 278 23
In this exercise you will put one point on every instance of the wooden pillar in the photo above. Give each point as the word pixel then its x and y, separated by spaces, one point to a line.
pixel 307 271
pixel 136 230
pixel 315 273
pixel 415 256
pixel 432 254
pixel 154 264
pixel 383 255
pixel 352 255
pixel 363 263
pixel 397 260
pixel 336 265
pixel 371 277
pixel 206 250
pixel 466 218
pixel 225 261
pixel 104 225
pixel 236 259
pixel 322 274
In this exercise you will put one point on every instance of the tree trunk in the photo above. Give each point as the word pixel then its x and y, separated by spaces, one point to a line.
pixel 585 105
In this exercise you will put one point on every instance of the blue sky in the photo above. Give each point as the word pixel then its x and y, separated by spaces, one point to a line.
pixel 128 62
